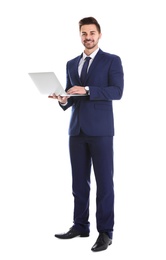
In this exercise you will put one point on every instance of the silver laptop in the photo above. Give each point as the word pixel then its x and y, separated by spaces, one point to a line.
pixel 48 83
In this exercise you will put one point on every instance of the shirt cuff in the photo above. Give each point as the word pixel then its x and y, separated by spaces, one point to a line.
pixel 63 104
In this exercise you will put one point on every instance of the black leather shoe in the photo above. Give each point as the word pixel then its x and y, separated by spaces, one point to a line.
pixel 71 234
pixel 102 242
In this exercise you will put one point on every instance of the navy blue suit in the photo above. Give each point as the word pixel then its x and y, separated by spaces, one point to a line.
pixel 91 132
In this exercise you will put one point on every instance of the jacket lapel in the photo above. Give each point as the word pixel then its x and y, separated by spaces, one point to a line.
pixel 92 67
pixel 94 64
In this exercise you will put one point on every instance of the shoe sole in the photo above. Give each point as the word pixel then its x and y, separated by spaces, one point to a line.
pixel 84 235
pixel 70 237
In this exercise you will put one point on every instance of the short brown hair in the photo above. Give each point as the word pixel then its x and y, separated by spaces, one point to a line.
pixel 89 20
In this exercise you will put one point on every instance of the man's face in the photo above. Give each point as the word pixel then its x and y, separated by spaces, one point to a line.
pixel 90 36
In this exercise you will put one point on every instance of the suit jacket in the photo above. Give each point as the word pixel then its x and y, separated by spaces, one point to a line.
pixel 94 113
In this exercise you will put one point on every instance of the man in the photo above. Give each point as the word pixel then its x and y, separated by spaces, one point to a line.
pixel 91 132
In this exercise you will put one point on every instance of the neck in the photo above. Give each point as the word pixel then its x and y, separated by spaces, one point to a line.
pixel 90 51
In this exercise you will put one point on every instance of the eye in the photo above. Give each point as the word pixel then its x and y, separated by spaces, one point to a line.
pixel 83 34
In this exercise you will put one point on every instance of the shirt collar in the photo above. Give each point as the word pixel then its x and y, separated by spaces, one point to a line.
pixel 93 54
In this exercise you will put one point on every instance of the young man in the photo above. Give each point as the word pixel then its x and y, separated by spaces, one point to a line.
pixel 91 132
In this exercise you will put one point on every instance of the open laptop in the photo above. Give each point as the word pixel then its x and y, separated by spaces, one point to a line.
pixel 48 83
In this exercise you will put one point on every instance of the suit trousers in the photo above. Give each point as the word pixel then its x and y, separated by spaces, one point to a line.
pixel 86 151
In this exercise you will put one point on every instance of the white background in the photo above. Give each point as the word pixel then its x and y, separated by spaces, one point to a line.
pixel 35 177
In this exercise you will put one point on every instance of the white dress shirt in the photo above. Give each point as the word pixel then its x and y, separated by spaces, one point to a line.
pixel 83 59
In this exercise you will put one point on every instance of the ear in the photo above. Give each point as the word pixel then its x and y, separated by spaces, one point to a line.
pixel 100 35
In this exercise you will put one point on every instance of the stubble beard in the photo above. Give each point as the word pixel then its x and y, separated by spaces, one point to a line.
pixel 89 46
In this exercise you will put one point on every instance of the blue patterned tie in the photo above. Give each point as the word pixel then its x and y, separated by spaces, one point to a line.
pixel 84 70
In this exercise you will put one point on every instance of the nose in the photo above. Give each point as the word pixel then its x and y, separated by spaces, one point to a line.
pixel 88 37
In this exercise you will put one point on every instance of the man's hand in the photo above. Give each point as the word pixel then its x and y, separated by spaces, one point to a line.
pixel 61 99
pixel 76 90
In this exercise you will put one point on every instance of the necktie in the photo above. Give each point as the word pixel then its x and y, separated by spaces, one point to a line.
pixel 84 70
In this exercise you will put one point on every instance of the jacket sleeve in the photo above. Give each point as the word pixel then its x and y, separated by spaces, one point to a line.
pixel 68 85
pixel 113 88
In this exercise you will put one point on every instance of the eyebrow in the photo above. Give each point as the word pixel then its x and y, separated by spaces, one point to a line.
pixel 86 32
